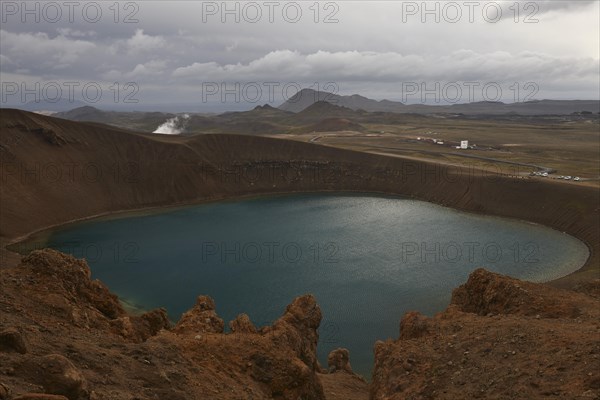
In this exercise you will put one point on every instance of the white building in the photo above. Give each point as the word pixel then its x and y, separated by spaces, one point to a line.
pixel 464 144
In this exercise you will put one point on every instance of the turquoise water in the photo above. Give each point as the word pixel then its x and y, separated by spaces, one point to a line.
pixel 367 259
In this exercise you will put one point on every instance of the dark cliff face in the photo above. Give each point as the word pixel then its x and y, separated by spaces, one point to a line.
pixel 55 171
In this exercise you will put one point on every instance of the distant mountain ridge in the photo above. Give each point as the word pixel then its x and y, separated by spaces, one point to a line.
pixel 85 113
pixel 307 97
pixel 142 121
pixel 57 105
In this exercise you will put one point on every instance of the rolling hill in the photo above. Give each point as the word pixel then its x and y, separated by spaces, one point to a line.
pixel 307 97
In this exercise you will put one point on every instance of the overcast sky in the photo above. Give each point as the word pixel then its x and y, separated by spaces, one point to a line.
pixel 183 54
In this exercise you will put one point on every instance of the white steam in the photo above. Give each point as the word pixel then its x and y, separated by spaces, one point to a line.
pixel 173 126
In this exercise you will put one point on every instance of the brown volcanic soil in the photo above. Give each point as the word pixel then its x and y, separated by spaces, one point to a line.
pixel 500 338
pixel 56 171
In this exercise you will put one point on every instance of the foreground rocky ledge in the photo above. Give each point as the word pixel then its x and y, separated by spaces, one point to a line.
pixel 67 336
pixel 500 338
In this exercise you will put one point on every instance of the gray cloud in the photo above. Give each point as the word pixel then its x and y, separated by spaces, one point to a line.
pixel 174 47
pixel 390 67
pixel 555 5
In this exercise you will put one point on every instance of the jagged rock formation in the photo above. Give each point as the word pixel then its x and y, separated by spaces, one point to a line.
pixel 499 338
pixel 63 334
pixel 341 383
pixel 339 360
pixel 83 345
pixel 242 324
pixel 200 319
